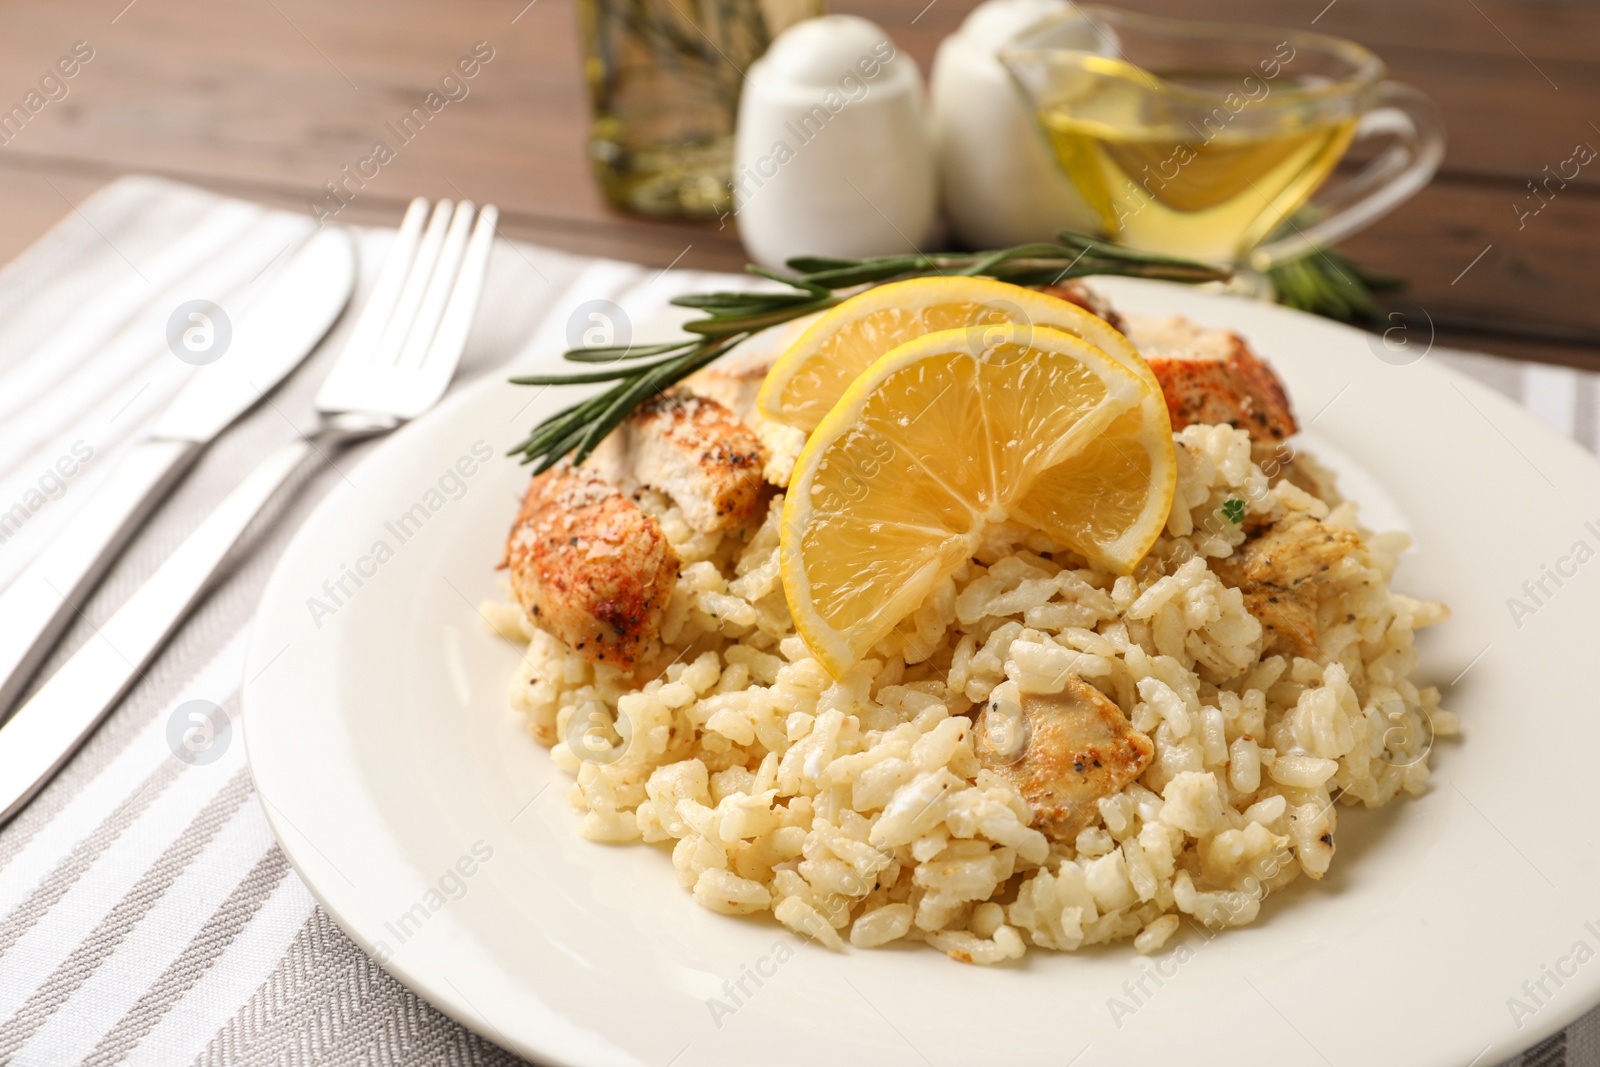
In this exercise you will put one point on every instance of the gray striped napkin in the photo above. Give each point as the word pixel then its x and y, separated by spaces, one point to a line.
pixel 146 914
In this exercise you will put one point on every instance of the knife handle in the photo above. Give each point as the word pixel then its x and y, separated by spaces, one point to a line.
pixel 43 599
pixel 56 720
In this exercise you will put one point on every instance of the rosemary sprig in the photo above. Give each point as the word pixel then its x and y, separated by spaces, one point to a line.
pixel 1328 283
pixel 642 371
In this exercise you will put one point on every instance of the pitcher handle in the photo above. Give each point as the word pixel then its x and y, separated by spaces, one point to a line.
pixel 1393 177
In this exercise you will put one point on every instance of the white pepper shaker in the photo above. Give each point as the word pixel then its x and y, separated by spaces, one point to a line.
pixel 1000 184
pixel 832 155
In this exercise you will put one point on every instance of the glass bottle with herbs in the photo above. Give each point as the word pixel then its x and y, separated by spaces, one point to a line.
pixel 664 79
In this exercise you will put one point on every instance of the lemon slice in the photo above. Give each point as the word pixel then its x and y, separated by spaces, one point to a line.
pixel 947 434
pixel 811 376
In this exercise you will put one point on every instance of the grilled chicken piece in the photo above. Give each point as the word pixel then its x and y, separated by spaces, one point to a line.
pixel 1076 747
pixel 1212 376
pixel 735 385
pixel 1283 572
pixel 1075 292
pixel 588 566
pixel 694 450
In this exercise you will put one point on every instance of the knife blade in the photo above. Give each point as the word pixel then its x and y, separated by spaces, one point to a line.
pixel 296 310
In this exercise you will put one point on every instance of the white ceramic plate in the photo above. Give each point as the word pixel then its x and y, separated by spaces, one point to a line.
pixel 439 836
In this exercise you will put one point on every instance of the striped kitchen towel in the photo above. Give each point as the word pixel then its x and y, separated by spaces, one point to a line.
pixel 146 914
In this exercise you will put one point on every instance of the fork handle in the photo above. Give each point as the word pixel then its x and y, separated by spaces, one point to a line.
pixel 40 602
pixel 51 725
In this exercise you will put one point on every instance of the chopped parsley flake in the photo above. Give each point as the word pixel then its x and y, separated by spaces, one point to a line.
pixel 1233 510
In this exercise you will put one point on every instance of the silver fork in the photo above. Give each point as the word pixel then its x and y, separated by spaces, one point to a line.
pixel 397 364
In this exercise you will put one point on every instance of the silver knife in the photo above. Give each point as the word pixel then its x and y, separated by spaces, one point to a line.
pixel 270 339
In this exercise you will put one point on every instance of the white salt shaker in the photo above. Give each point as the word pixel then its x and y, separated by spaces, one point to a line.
pixel 1000 184
pixel 831 154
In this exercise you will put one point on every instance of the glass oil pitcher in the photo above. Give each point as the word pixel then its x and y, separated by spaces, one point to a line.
pixel 1201 139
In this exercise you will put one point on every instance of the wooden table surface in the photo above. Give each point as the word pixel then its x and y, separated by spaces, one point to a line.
pixel 270 99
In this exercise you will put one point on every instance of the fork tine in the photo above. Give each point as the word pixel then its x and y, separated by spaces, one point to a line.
pixel 439 287
pixel 380 305
pixel 451 336
pixel 410 298
pixel 427 321
pixel 439 364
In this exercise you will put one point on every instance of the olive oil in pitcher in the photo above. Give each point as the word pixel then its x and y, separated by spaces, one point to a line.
pixel 1209 184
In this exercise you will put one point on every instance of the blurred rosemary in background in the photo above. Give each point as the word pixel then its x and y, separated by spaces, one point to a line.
pixel 1330 284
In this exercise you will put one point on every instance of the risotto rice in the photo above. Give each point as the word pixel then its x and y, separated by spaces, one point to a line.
pixel 858 809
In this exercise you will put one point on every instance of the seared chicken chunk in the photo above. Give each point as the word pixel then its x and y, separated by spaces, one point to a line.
pixel 1212 376
pixel 1282 574
pixel 735 384
pixel 694 450
pixel 1075 292
pixel 588 566
pixel 1063 753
